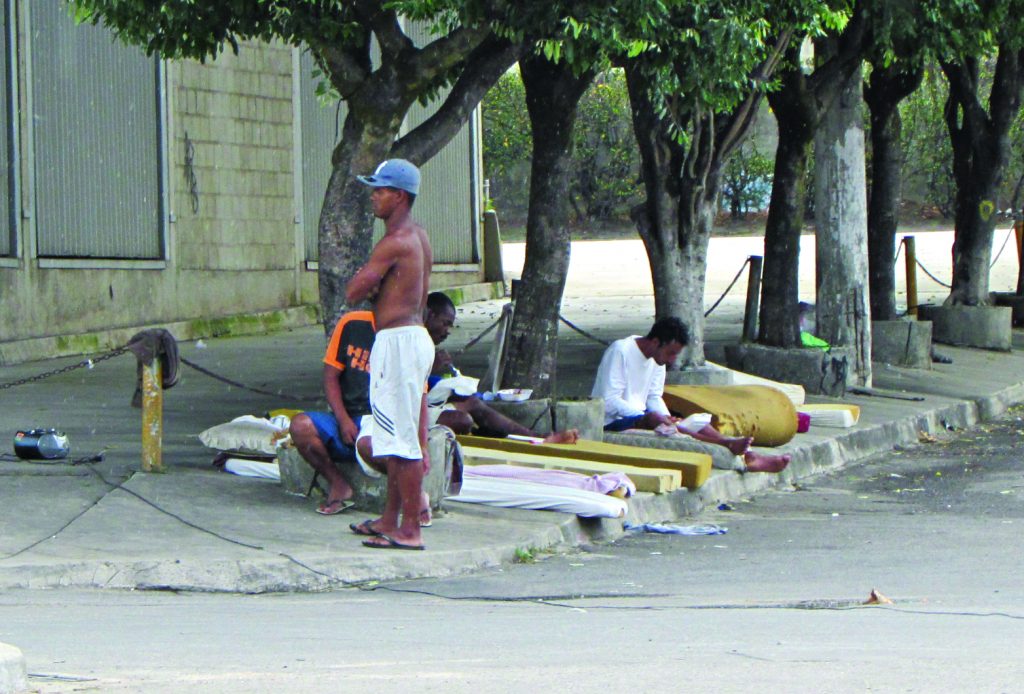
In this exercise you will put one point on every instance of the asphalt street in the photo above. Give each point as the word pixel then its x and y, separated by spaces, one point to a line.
pixel 777 600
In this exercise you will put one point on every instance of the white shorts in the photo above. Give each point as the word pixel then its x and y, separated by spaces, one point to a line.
pixel 366 429
pixel 400 362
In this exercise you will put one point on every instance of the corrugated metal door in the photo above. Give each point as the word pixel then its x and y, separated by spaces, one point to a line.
pixel 321 123
pixel 445 203
pixel 95 115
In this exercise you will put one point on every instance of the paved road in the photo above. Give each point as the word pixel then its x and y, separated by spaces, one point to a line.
pixel 773 603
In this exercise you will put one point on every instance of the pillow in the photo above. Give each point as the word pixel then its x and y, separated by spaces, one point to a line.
pixel 247 435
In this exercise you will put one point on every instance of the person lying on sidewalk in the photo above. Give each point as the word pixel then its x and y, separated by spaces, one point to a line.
pixel 631 381
pixel 464 413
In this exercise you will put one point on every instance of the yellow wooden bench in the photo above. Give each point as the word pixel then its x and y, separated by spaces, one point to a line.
pixel 694 468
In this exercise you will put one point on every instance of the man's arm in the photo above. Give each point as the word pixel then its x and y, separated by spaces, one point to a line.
pixel 610 385
pixel 424 446
pixel 366 281
pixel 332 389
pixel 655 400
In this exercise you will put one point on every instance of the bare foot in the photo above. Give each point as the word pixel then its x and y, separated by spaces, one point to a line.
pixel 757 462
pixel 739 445
pixel 567 436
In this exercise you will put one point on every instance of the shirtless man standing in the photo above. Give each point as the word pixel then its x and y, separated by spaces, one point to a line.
pixel 396 279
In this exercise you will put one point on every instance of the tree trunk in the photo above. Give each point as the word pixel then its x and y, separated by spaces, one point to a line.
pixel 796 118
pixel 346 219
pixel 980 143
pixel 799 106
pixel 552 95
pixel 887 87
pixel 378 101
pixel 682 189
pixel 843 318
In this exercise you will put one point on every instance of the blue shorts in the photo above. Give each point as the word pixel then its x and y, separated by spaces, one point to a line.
pixel 624 423
pixel 327 429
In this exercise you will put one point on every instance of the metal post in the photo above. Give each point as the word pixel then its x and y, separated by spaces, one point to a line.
pixel 753 299
pixel 152 417
pixel 910 260
pixel 1018 231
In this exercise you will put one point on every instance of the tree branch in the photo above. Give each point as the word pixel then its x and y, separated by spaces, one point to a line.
pixel 483 68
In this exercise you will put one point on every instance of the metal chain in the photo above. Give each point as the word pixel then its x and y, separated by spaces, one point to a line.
pixel 581 331
pixel 237 384
pixel 934 278
pixel 84 364
pixel 728 289
pixel 479 337
pixel 1001 248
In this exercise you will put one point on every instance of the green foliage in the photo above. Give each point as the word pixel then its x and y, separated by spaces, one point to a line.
pixel 507 144
pixel 928 155
pixel 746 181
pixel 605 163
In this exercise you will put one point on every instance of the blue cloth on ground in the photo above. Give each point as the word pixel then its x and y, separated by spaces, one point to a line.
pixel 669 529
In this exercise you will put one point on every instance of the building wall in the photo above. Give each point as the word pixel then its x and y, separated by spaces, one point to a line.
pixel 232 239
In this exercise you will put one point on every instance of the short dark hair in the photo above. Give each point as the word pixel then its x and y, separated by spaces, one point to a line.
pixel 439 301
pixel 410 196
pixel 669 329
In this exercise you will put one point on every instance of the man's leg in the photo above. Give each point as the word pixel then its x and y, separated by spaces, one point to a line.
pixel 307 441
pixel 738 445
pixel 365 447
pixel 759 462
pixel 495 423
pixel 405 489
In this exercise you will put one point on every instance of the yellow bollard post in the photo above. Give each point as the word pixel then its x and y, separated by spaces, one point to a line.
pixel 152 417
pixel 910 260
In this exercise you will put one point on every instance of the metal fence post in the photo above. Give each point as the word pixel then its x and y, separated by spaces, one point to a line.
pixel 753 299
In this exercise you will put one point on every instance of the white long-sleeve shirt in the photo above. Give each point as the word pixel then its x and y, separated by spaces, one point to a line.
pixel 629 383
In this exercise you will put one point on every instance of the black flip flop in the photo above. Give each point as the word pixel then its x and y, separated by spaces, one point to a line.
pixel 363 528
pixel 391 544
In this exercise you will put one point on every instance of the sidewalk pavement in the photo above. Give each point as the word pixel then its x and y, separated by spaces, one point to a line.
pixel 109 525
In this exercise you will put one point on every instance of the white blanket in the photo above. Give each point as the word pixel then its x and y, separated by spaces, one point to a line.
pixel 541 497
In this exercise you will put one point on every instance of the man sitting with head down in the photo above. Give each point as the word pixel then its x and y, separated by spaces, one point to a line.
pixel 463 413
pixel 631 381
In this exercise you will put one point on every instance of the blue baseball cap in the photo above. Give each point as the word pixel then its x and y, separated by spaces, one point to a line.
pixel 395 173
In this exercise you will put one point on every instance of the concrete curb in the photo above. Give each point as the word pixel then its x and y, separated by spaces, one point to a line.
pixel 280 572
pixel 13 674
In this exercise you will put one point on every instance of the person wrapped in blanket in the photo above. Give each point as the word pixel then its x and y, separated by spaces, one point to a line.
pixel 631 381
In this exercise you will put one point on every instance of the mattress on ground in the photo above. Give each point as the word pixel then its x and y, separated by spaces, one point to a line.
pixel 832 415
pixel 721 457
pixel 655 480
pixel 539 497
pixel 759 411
pixel 694 468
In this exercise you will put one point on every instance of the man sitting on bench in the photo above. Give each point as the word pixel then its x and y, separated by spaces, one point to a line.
pixel 631 381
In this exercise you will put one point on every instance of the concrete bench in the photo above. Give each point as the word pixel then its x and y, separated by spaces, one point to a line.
pixel 370 492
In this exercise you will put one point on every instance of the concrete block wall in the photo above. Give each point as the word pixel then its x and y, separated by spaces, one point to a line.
pixel 236 113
